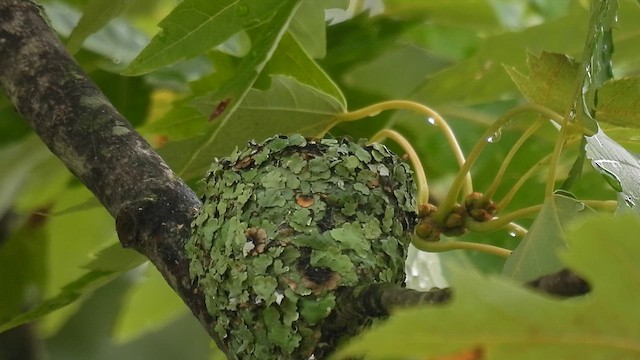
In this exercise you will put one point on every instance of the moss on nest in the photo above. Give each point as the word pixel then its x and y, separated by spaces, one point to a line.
pixel 287 222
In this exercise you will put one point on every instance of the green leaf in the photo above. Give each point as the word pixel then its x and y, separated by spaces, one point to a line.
pixel 619 167
pixel 118 41
pixel 551 77
pixel 23 268
pixel 18 162
pixel 150 305
pixel 309 29
pixel 74 235
pixel 290 59
pixel 115 258
pixel 68 294
pixel 197 26
pixel 287 107
pixel 375 77
pixel 596 62
pixel 619 102
pixel 96 14
pixel 537 253
pixel 224 102
pixel 481 78
pixel 476 14
pixel 12 126
pixel 629 138
pixel 491 318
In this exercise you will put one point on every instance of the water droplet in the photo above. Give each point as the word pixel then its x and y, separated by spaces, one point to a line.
pixel 512 233
pixel 431 120
pixel 629 201
pixel 495 137
pixel 242 10
pixel 116 60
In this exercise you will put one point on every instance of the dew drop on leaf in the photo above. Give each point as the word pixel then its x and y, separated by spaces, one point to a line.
pixel 431 120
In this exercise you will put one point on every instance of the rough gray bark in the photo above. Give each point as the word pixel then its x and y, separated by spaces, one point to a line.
pixel 152 206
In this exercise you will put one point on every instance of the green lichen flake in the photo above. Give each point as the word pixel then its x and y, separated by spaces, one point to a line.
pixel 286 223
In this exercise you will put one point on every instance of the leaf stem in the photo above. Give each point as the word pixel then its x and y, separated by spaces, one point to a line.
pixel 450 245
pixel 423 188
pixel 516 230
pixel 452 196
pixel 606 205
pixel 375 109
pixel 491 190
pixel 502 204
pixel 502 221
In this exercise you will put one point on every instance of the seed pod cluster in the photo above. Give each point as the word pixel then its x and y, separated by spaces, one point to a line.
pixel 287 222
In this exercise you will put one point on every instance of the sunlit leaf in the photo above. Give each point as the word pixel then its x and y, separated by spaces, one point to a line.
pixel 309 29
pixel 537 253
pixel 491 318
pixel 223 103
pixel 150 305
pixel 629 138
pixel 290 59
pixel 197 26
pixel 619 102
pixel 620 168
pixel 96 14
pixel 73 236
pixel 287 107
pixel 18 161
pixel 551 77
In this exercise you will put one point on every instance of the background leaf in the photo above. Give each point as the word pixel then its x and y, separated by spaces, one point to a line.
pixel 551 77
pixel 619 102
pixel 309 29
pixel 68 294
pixel 287 107
pixel 23 275
pixel 518 323
pixel 96 14
pixel 537 253
pixel 619 167
pixel 196 26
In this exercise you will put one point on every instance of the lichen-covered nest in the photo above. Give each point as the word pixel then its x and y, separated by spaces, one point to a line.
pixel 287 222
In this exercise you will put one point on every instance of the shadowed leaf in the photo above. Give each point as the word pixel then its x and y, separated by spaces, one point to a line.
pixel 502 320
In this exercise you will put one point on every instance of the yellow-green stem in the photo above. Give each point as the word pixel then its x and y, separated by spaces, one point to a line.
pixel 502 221
pixel 421 176
pixel 512 152
pixel 452 196
pixel 502 204
pixel 450 245
pixel 516 230
pixel 606 205
pixel 440 123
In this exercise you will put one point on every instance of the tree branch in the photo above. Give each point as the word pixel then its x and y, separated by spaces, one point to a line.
pixel 152 206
